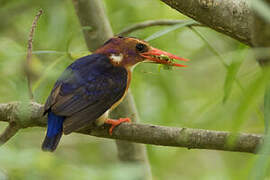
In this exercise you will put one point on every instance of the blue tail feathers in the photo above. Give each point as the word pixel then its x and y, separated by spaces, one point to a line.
pixel 54 132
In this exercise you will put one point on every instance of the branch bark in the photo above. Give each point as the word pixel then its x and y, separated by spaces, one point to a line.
pixel 95 25
pixel 8 133
pixel 142 133
pixel 231 17
pixel 261 36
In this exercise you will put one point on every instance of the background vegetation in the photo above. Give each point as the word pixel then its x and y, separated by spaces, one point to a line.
pixel 205 95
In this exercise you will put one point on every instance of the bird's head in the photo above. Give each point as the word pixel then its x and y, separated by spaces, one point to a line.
pixel 127 51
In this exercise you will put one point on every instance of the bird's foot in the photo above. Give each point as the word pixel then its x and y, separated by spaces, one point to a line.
pixel 115 123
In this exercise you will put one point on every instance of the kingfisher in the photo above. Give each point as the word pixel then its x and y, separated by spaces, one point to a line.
pixel 93 85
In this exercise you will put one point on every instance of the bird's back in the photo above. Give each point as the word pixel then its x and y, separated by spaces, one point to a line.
pixel 86 90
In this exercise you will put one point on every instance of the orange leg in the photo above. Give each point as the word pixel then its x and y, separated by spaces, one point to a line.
pixel 115 123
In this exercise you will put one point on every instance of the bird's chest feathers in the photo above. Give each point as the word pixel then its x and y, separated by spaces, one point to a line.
pixel 105 116
pixel 126 90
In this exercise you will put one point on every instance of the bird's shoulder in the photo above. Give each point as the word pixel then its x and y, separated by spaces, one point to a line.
pixel 92 71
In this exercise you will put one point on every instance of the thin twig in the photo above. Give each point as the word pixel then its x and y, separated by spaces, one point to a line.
pixel 9 132
pixel 29 53
pixel 150 23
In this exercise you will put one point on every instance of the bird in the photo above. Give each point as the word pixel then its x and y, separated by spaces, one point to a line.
pixel 93 85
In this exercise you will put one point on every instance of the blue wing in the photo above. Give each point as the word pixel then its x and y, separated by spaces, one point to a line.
pixel 86 90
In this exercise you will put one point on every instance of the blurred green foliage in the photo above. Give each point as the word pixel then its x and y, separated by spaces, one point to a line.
pixel 185 97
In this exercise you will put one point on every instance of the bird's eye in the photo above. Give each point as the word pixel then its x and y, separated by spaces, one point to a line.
pixel 141 47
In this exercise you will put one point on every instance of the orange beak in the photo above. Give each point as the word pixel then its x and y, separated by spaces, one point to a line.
pixel 162 57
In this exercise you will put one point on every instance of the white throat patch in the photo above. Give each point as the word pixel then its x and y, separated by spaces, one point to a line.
pixel 117 58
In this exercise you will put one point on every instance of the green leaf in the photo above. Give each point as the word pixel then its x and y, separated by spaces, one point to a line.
pixel 48 52
pixel 249 100
pixel 87 28
pixel 231 75
pixel 229 80
pixel 208 44
pixel 47 71
pixel 170 29
pixel 222 60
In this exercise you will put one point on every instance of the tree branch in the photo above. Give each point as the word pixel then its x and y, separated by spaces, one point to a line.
pixel 95 25
pixel 142 133
pixel 231 17
pixel 149 23
pixel 261 35
pixel 131 152
pixel 8 133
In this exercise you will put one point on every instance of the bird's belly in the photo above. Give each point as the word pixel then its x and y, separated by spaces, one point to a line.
pixel 100 121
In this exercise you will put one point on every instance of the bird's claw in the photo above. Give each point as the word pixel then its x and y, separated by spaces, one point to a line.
pixel 115 123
